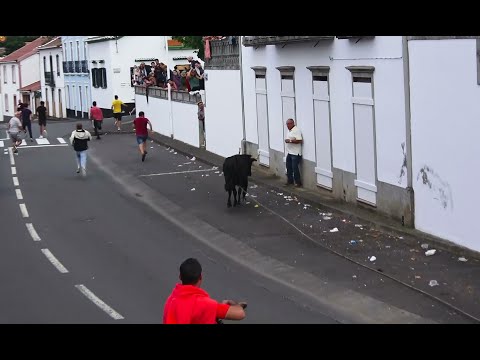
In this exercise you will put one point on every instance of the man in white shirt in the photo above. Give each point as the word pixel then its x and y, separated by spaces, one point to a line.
pixel 14 127
pixel 294 142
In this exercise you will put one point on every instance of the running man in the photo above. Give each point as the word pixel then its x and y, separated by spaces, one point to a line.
pixel 140 126
pixel 117 112
pixel 14 127
pixel 41 113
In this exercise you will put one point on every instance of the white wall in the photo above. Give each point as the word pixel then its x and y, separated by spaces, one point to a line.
pixel 382 52
pixel 59 81
pixel 223 112
pixel 30 69
pixel 9 88
pixel 185 118
pixel 445 115
pixel 102 51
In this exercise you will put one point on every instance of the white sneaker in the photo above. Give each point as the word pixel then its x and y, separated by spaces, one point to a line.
pixel 45 133
pixel 40 137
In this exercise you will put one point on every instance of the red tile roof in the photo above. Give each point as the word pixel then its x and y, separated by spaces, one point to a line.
pixel 32 87
pixel 25 51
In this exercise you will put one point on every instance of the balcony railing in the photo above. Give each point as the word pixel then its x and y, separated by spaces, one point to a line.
pixel 160 93
pixel 68 67
pixel 49 79
pixel 78 67
pixel 274 40
pixel 224 55
pixel 84 66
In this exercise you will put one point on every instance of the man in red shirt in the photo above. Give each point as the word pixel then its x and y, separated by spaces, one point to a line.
pixel 189 304
pixel 141 130
pixel 96 115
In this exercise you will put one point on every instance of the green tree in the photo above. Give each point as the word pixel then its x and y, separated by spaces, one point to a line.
pixel 195 42
pixel 13 43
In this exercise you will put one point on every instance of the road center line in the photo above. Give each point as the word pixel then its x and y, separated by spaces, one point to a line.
pixel 15 181
pixel 19 194
pixel 14 170
pixel 33 232
pixel 91 296
pixel 10 152
pixel 179 172
pixel 24 211
pixel 54 261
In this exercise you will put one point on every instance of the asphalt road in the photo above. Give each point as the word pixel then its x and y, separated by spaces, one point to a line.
pixel 119 234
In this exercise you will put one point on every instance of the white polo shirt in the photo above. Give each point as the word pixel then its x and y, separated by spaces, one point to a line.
pixel 294 134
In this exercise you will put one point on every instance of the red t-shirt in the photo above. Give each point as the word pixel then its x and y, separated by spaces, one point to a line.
pixel 189 304
pixel 96 113
pixel 140 124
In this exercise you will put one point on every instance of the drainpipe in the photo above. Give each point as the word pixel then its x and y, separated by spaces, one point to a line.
pixel 244 140
pixel 170 112
pixel 409 217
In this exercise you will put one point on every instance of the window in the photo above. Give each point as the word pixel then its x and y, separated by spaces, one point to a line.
pixel 84 50
pixel 71 51
pixel 104 77
pixel 58 64
pixel 15 101
pixel 4 74
pixel 65 51
pixel 44 64
pixel 99 78
pixel 78 50
pixel 67 97
pixel 81 100
pixel 6 103
pixel 14 78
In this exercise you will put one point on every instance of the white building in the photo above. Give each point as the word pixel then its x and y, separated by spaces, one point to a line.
pixel 20 76
pixel 111 59
pixel 52 79
pixel 76 76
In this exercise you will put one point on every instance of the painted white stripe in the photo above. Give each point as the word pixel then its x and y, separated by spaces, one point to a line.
pixel 15 181
pixel 19 194
pixel 61 141
pixel 14 170
pixel 180 172
pixel 91 296
pixel 2 144
pixel 33 232
pixel 23 209
pixel 42 141
pixel 10 152
pixel 54 261
pixel 37 146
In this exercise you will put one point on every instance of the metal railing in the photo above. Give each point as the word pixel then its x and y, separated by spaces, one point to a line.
pixel 84 66
pixel 224 55
pixel 273 40
pixel 161 93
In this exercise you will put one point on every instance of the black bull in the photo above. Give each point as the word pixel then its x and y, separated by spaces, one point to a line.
pixel 236 170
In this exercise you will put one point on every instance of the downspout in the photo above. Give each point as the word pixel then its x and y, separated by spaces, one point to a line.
pixel 169 88
pixel 244 140
pixel 409 216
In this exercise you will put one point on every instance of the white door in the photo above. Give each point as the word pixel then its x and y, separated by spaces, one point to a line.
pixel 262 116
pixel 323 149
pixel 363 114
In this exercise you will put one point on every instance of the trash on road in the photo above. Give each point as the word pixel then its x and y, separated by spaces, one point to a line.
pixel 251 187
pixel 256 205
pixel 193 158
pixel 430 252
pixel 424 246
pixel 462 259
pixel 433 283
pixel 372 258
pixel 193 189
pixel 327 218
pixel 217 172
pixel 354 276
pixel 358 225
pixel 207 175
pixel 175 153
pixel 387 246
pixel 334 230
pixel 418 277
pixel 353 242
pixel 179 165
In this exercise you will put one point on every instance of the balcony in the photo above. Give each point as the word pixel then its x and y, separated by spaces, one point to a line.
pixel 78 68
pixel 161 93
pixel 224 55
pixel 68 67
pixel 49 79
pixel 84 66
pixel 279 40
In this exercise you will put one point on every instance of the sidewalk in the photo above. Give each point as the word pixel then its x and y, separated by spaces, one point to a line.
pixel 399 251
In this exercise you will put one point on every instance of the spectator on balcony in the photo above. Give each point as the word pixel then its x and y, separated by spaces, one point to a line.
pixel 150 81
pixel 136 76
pixel 194 80
pixel 143 72
pixel 153 65
pixel 191 62
pixel 200 74
pixel 184 80
pixel 173 86
pixel 177 79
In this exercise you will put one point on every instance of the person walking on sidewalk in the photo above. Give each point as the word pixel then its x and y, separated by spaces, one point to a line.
pixel 41 113
pixel 294 153
pixel 14 127
pixel 79 139
pixel 27 120
pixel 141 131
pixel 117 112
pixel 96 115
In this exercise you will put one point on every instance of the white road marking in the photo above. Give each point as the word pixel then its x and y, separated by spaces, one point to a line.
pixel 15 181
pixel 91 296
pixel 37 146
pixel 14 170
pixel 2 144
pixel 19 194
pixel 54 261
pixel 33 232
pixel 178 172
pixel 10 152
pixel 24 211
pixel 42 141
pixel 61 141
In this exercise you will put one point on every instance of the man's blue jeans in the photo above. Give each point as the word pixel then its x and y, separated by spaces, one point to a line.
pixel 293 172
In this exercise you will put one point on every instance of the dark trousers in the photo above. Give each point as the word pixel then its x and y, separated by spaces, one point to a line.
pixel 293 172
pixel 28 125
pixel 97 125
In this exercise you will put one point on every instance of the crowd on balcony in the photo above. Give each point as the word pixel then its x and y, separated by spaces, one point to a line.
pixel 188 77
